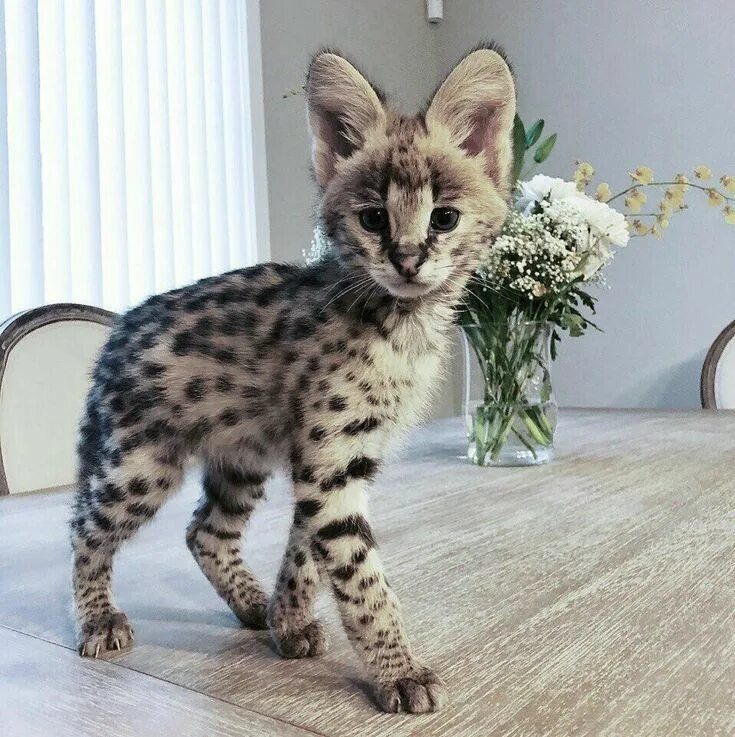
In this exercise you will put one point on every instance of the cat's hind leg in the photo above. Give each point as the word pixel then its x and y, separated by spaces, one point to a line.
pixel 123 492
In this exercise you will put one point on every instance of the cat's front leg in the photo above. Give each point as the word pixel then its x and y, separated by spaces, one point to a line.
pixel 295 631
pixel 332 513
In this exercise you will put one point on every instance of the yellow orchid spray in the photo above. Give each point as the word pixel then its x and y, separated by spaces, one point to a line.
pixel 721 195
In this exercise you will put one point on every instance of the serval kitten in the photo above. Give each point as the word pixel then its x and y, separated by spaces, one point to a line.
pixel 315 368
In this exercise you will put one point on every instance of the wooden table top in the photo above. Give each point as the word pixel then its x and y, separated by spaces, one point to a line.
pixel 590 597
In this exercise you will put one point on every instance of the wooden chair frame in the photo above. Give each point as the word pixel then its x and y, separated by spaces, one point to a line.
pixel 709 368
pixel 18 326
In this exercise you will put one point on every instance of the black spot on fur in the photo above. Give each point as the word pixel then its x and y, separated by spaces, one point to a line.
pixel 110 494
pixel 337 481
pixel 359 556
pixel 241 477
pixel 224 383
pixel 337 403
pixel 195 389
pixel 138 486
pixel 225 355
pixel 354 525
pixel 104 523
pixel 204 326
pixel 362 468
pixel 229 417
pixel 305 475
pixel 302 328
pixel 153 370
pixel 183 343
pixel 267 296
pixel 196 432
pixel 360 426
pixel 141 510
pixel 319 551
pixel 307 508
pixel 344 573
pixel 157 430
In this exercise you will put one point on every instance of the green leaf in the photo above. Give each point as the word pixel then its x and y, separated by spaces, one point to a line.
pixel 587 300
pixel 544 149
pixel 519 147
pixel 534 133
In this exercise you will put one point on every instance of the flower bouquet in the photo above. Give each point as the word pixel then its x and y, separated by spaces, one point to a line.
pixel 534 283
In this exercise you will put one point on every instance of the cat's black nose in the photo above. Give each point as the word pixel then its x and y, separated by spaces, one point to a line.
pixel 407 264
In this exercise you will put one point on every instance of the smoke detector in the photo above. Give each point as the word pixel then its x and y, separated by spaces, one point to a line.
pixel 434 11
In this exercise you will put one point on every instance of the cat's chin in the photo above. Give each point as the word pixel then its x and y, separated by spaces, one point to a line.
pixel 408 290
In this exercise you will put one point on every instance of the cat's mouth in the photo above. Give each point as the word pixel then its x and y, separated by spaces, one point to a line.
pixel 406 289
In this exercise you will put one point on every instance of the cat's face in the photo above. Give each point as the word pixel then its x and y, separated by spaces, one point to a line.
pixel 411 202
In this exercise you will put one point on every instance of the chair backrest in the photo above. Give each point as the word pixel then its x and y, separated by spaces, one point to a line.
pixel 46 358
pixel 718 373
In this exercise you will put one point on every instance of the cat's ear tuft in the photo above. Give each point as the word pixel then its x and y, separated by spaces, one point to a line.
pixel 476 103
pixel 342 107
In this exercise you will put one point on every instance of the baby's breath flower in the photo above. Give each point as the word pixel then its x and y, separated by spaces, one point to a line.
pixel 702 172
pixel 642 175
pixel 319 249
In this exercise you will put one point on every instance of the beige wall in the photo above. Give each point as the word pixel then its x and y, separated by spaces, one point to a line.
pixel 628 83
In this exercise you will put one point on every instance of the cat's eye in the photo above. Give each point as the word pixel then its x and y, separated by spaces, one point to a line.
pixel 374 219
pixel 444 219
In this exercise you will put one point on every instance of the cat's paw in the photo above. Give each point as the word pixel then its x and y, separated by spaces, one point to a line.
pixel 307 642
pixel 107 633
pixel 418 693
pixel 253 617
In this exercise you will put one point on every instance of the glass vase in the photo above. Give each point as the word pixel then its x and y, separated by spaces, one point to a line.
pixel 509 400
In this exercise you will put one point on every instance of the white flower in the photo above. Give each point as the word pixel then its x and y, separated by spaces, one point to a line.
pixel 588 227
pixel 319 249
pixel 541 188
pixel 603 220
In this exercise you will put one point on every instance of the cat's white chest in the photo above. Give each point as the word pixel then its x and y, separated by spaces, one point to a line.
pixel 409 377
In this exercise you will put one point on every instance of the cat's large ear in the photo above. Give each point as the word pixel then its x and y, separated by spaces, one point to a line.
pixel 343 107
pixel 476 103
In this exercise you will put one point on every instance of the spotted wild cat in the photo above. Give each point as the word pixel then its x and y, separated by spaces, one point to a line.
pixel 315 368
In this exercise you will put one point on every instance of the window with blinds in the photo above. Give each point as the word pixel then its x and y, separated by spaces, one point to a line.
pixel 127 147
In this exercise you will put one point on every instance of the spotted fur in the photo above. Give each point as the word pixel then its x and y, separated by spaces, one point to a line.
pixel 315 368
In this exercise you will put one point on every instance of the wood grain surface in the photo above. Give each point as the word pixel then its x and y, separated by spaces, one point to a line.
pixel 49 690
pixel 590 597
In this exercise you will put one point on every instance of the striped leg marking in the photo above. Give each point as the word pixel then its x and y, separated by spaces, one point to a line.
pixel 214 538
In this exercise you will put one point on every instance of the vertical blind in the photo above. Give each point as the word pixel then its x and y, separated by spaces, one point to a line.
pixel 126 148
